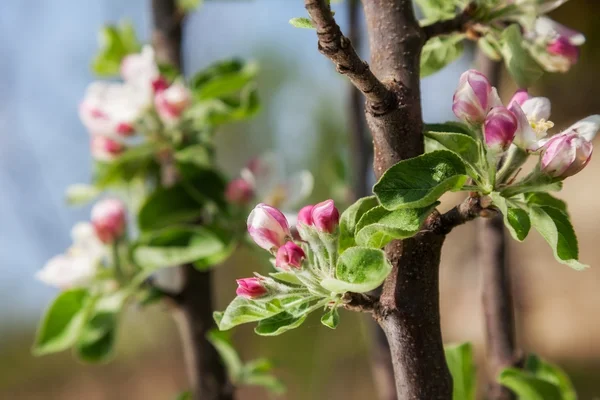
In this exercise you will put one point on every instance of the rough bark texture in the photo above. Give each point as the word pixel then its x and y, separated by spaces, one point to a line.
pixel 207 375
pixel 501 350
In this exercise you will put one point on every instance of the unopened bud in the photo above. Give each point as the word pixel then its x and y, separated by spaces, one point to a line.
pixel 268 227
pixel 105 149
pixel 474 97
pixel 108 219
pixel 250 288
pixel 171 102
pixel 290 255
pixel 239 191
pixel 565 155
pixel 499 128
pixel 325 216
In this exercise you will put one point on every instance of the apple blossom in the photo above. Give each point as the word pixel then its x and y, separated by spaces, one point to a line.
pixel 290 255
pixel 565 155
pixel 108 219
pixel 325 216
pixel 250 288
pixel 172 102
pixel 474 97
pixel 555 45
pixel 532 116
pixel 305 215
pixel 268 227
pixel 105 149
pixel 239 191
pixel 499 128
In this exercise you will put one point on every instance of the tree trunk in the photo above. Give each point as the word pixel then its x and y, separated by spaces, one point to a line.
pixel 501 351
pixel 206 373
pixel 409 311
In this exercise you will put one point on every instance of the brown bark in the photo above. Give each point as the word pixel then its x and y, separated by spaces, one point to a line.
pixel 206 373
pixel 501 350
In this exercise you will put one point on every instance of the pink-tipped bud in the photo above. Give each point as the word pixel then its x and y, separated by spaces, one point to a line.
pixel 239 191
pixel 105 149
pixel 564 48
pixel 159 84
pixel 565 155
pixel 172 102
pixel 499 128
pixel 108 219
pixel 520 97
pixel 268 227
pixel 474 97
pixel 290 255
pixel 325 216
pixel 305 215
pixel 250 288
pixel 125 129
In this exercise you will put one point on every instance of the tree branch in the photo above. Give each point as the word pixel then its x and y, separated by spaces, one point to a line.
pixel 194 309
pixel 501 350
pixel 466 211
pixel 335 46
pixel 360 302
pixel 460 23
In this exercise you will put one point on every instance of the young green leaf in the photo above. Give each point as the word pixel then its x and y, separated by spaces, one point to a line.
pixel 535 183
pixel 546 199
pixel 519 63
pixel 136 161
pixel 450 126
pixel 256 373
pixel 349 219
pixel 463 146
pixel 278 324
pixel 553 374
pixel 554 226
pixel 379 226
pixel 222 79
pixel 287 277
pixel 116 41
pixel 460 363
pixel 420 181
pixel 81 194
pixel 62 322
pixel 527 386
pixel 242 310
pixel 515 218
pixel 359 270
pixel 230 357
pixel 166 207
pixel 176 246
pixel 439 52
pixel 302 22
pixel 331 318
pixel 196 154
pixel 187 395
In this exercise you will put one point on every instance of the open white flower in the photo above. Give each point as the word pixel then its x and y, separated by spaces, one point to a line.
pixel 78 266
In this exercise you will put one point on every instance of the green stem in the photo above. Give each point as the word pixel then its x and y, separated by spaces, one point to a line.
pixel 515 158
pixel 117 262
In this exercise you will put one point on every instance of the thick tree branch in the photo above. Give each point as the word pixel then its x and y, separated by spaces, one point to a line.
pixel 194 310
pixel 338 48
pixel 501 350
pixel 460 23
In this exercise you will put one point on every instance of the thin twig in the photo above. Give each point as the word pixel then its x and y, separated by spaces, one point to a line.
pixel 361 302
pixel 468 210
pixel 460 23
pixel 337 47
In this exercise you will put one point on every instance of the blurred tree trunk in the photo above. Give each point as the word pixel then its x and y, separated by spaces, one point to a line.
pixel 496 292
pixel 206 373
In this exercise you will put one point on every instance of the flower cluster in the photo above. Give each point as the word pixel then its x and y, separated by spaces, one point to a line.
pixel 111 110
pixel 554 46
pixel 524 124
pixel 311 259
pixel 79 264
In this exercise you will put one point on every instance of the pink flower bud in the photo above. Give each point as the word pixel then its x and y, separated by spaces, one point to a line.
pixel 499 128
pixel 172 102
pixel 520 97
pixel 325 216
pixel 564 48
pixel 159 84
pixel 268 227
pixel 124 129
pixel 565 155
pixel 305 215
pixel 290 255
pixel 239 191
pixel 250 288
pixel 105 149
pixel 108 219
pixel 474 97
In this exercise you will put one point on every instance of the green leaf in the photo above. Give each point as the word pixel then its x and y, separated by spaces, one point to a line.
pixel 229 244
pixel 188 5
pixel 437 9
pixel 227 110
pixel 178 245
pixel 287 277
pixel 359 270
pixel 519 62
pixel 196 154
pixel 554 226
pixel 116 41
pixel 278 324
pixel 553 374
pixel 81 194
pixel 460 363
pixel 379 226
pixel 187 395
pixel 546 199
pixel 136 161
pixel 463 146
pixel 301 22
pixel 527 386
pixel 489 46
pixel 265 380
pixel 440 51
pixel 535 183
pixel 230 357
pixel 62 322
pixel 166 207
pixel 242 310
pixel 223 78
pixel 331 319
pixel 350 218
pixel 420 181
pixel 98 336
pixel 515 218
pixel 450 126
